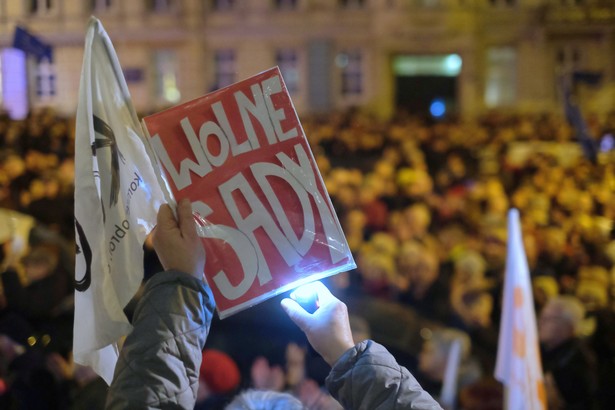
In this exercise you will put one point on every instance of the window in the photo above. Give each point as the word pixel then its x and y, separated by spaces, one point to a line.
pixel 430 3
pixel 350 62
pixel 222 5
pixel 352 4
pixel 45 79
pixel 568 57
pixel 101 5
pixel 41 7
pixel 503 2
pixel 287 60
pixel 224 67
pixel 165 64
pixel 161 6
pixel 285 4
pixel 572 2
pixel 501 79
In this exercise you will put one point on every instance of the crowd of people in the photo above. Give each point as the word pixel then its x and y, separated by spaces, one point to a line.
pixel 423 206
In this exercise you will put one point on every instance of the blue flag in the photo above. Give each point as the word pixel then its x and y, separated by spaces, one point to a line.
pixel 575 119
pixel 30 44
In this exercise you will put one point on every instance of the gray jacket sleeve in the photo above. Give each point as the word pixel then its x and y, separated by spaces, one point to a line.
pixel 159 363
pixel 368 377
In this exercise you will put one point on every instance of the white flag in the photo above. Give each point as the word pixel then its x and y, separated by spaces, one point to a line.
pixel 448 393
pixel 518 363
pixel 117 196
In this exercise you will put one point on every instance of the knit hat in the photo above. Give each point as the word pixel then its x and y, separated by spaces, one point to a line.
pixel 219 371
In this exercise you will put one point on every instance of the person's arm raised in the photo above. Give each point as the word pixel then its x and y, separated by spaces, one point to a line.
pixel 160 360
pixel 176 242
pixel 328 328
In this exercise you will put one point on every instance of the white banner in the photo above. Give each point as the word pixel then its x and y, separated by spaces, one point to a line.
pixel 117 196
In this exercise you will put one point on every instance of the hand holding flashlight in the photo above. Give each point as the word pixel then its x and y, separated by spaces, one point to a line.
pixel 307 297
pixel 327 328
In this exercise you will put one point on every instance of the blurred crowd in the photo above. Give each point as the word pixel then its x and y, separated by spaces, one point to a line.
pixel 424 208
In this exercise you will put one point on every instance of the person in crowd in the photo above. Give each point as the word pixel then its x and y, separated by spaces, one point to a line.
pixel 567 365
pixel 544 288
pixel 265 400
pixel 434 355
pixel 38 293
pixel 421 286
pixel 219 378
pixel 553 260
pixel 378 272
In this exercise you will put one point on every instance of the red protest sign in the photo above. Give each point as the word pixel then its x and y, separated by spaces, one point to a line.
pixel 240 155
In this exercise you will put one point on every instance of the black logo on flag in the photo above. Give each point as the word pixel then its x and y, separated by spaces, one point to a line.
pixel 83 247
pixel 108 140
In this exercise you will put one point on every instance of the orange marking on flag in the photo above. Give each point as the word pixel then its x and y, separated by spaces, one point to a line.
pixel 518 297
pixel 542 393
pixel 519 342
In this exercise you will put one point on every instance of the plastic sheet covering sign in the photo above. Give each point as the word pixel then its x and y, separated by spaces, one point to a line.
pixel 240 155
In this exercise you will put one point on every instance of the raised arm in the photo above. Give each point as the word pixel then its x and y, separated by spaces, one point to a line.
pixel 159 362
pixel 364 376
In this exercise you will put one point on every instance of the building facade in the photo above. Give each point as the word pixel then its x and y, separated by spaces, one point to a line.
pixel 473 55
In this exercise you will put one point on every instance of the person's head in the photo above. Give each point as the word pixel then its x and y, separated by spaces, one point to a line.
pixel 455 164
pixel 544 288
pixel 592 294
pixel 14 166
pixel 560 320
pixel 218 374
pixel 376 267
pixel 494 248
pixel 478 307
pixel 435 350
pixel 41 262
pixel 470 267
pixel 414 183
pixel 384 243
pixel 418 217
pixel 264 400
pixel 418 263
pixel 37 189
pixel 553 241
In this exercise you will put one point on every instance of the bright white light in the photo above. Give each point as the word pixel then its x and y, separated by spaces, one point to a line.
pixel 14 83
pixel 341 60
pixel 305 292
pixel 453 63
pixel 607 143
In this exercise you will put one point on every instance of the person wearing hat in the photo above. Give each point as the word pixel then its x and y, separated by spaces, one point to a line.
pixel 219 379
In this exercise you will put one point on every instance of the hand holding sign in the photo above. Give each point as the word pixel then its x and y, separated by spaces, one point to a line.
pixel 328 328
pixel 176 241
